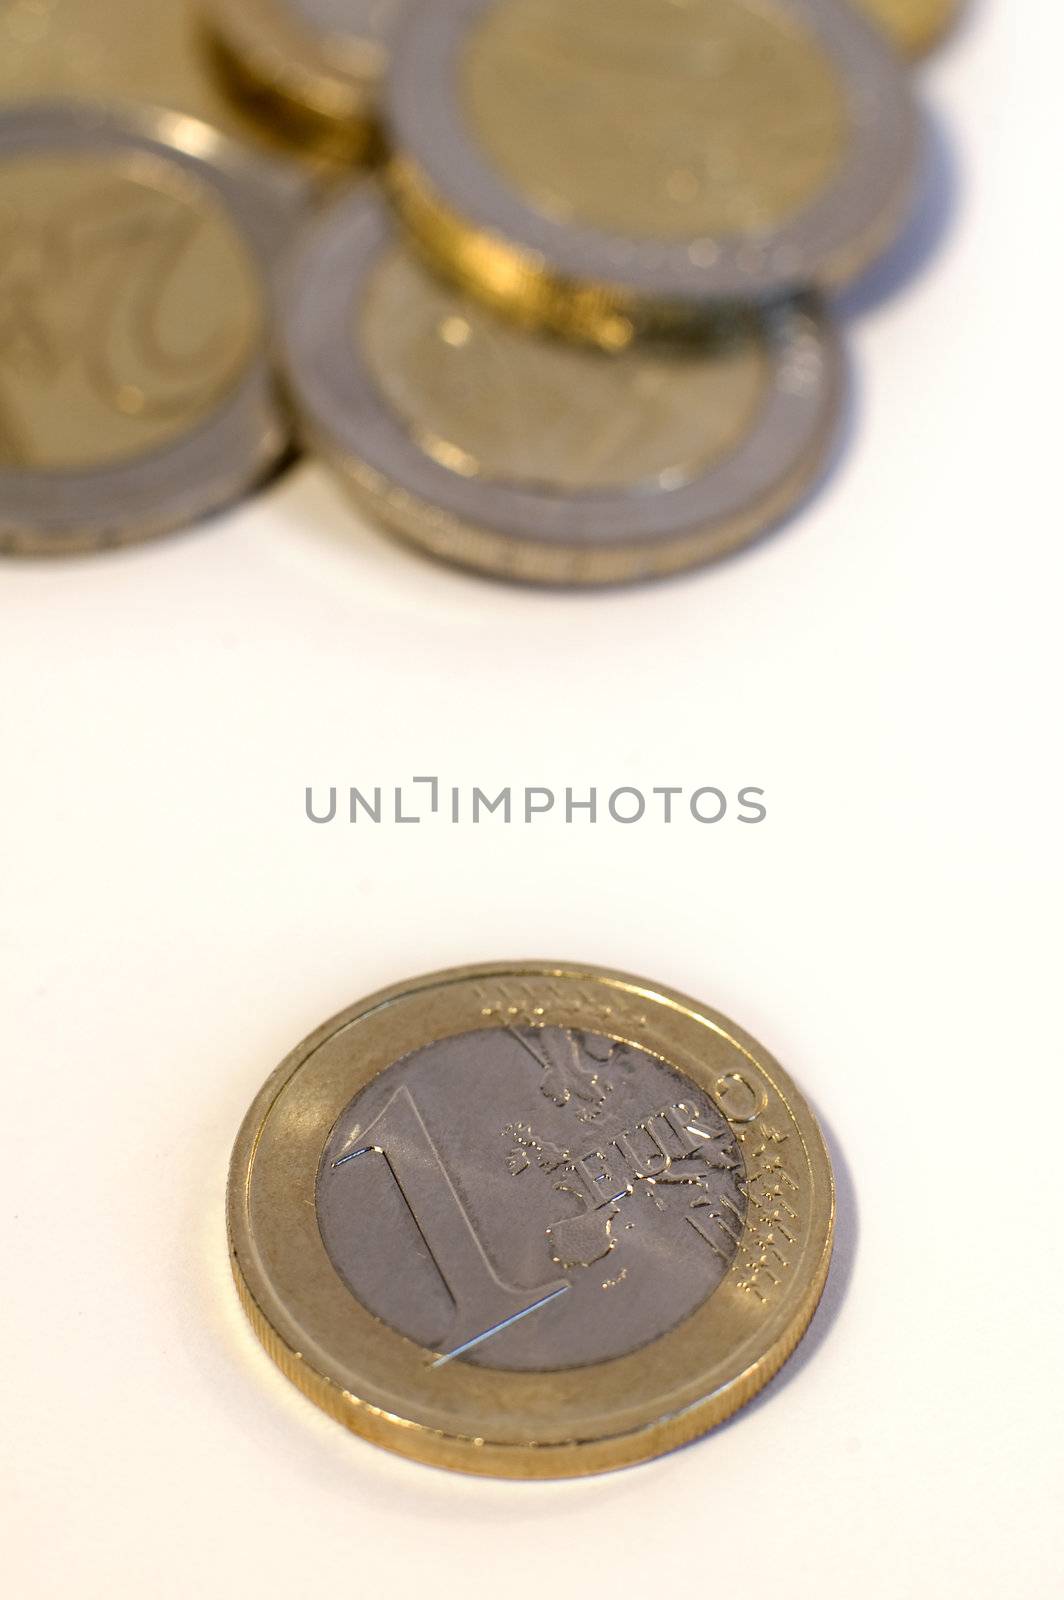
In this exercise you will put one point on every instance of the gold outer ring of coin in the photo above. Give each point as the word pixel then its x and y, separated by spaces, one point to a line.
pixel 915 26
pixel 512 1424
pixel 279 71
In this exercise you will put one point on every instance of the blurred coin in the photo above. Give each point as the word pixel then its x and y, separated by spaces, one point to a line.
pixel 137 255
pixel 145 51
pixel 311 67
pixel 915 26
pixel 529 456
pixel 530 1220
pixel 629 160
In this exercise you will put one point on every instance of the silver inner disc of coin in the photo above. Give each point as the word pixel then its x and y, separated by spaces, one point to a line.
pixel 832 236
pixel 347 412
pixel 531 1198
pixel 135 252
pixel 356 19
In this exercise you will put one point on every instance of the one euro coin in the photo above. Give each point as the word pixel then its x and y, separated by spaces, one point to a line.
pixel 530 1219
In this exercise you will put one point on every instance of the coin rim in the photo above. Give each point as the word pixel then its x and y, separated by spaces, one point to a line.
pixel 916 45
pixel 523 532
pixel 279 66
pixel 479 227
pixel 345 1393
pixel 69 510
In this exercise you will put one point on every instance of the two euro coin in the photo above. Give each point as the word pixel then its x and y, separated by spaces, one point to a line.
pixel 137 290
pixel 624 162
pixel 669 193
pixel 528 456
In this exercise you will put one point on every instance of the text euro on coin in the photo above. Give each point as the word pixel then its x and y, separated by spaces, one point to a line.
pixel 530 1219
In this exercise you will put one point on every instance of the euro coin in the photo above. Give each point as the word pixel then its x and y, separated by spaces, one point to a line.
pixel 639 159
pixel 532 457
pixel 915 26
pixel 530 1220
pixel 311 67
pixel 145 51
pixel 136 289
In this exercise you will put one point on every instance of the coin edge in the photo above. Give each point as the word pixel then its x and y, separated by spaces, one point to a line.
pixel 480 1457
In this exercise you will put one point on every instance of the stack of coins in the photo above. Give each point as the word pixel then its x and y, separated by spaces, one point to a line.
pixel 544 283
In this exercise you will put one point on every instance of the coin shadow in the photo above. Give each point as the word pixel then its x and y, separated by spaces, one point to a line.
pixel 936 205
pixel 236 1372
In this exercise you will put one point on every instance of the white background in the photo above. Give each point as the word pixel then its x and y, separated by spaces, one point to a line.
pixel 887 668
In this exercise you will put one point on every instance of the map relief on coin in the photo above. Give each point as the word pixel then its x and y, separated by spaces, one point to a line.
pixel 530 1219
pixel 532 1197
pixel 127 310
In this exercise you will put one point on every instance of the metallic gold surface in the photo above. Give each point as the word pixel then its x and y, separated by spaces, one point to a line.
pixel 537 459
pixel 150 52
pixel 320 88
pixel 507 1423
pixel 139 259
pixel 628 166
pixel 915 26
pixel 142 50
pixel 516 284
pixel 129 308
pixel 487 401
pixel 717 118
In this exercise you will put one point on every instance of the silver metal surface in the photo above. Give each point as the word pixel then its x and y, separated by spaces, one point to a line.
pixel 827 242
pixel 345 413
pixel 357 19
pixel 531 1198
pixel 219 455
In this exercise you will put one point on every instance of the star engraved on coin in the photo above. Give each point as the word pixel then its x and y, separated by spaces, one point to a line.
pixel 530 1219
